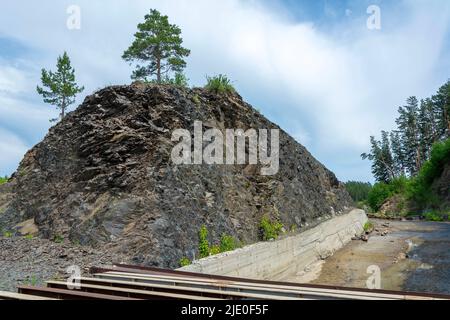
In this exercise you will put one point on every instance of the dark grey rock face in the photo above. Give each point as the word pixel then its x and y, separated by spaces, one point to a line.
pixel 103 176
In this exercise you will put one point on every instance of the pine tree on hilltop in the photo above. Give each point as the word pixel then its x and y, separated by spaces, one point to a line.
pixel 62 87
pixel 159 44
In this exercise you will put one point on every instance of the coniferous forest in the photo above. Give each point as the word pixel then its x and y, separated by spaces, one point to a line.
pixel 407 161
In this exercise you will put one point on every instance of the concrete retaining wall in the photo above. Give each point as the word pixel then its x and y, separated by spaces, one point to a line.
pixel 281 259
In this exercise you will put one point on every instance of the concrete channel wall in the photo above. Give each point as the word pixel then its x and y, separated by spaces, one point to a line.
pixel 281 259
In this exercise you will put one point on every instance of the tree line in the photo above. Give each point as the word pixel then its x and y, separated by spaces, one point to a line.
pixel 407 160
pixel 359 191
pixel 420 124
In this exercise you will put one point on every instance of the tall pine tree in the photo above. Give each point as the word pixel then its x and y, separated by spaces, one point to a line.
pixel 61 85
pixel 409 134
pixel 158 44
pixel 441 102
pixel 427 126
pixel 397 154
pixel 380 154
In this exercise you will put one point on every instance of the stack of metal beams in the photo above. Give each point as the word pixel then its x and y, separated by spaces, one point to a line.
pixel 125 282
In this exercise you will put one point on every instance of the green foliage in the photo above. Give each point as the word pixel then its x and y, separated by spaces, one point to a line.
pixel 383 167
pixel 58 238
pixel 409 139
pixel 434 216
pixel 184 262
pixel 399 185
pixel 440 155
pixel 159 44
pixel 219 84
pixel 417 189
pixel 215 249
pixel 364 206
pixel 368 226
pixel 405 151
pixel 359 191
pixel 196 99
pixel 381 191
pixel 3 180
pixel 203 243
pixel 29 237
pixel 420 187
pixel 227 243
pixel 61 85
pixel 31 281
pixel 7 234
pixel 180 80
pixel 378 195
pixel 268 229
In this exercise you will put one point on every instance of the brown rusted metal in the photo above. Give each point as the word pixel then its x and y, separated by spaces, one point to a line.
pixel 125 282
pixel 150 287
pixel 154 270
pixel 67 294
pixel 127 292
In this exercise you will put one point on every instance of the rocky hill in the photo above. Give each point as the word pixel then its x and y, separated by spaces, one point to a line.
pixel 104 177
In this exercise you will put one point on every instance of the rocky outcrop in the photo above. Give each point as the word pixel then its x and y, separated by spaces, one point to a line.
pixel 103 176
pixel 396 206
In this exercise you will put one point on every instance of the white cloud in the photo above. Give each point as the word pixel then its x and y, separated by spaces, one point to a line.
pixel 23 122
pixel 347 84
pixel 11 80
pixel 12 149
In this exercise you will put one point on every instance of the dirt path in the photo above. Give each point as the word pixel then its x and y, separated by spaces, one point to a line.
pixel 412 256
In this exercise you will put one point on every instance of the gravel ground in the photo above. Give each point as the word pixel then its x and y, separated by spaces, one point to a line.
pixel 33 261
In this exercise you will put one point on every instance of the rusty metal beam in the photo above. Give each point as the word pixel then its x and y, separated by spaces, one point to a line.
pixel 66 294
pixel 154 270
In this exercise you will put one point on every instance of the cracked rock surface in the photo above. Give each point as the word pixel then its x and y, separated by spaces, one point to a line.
pixel 103 178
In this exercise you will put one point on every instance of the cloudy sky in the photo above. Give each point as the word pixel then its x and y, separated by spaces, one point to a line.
pixel 313 67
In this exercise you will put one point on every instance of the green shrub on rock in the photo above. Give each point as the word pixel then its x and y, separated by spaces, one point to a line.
pixel 215 249
pixel 381 191
pixel 227 243
pixel 203 243
pixel 268 229
pixel 184 262
pixel 219 84
pixel 378 195
pixel 368 227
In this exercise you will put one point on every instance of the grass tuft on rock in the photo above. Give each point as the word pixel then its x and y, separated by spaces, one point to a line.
pixel 219 84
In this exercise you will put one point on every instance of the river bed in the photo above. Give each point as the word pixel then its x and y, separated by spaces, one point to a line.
pixel 412 256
